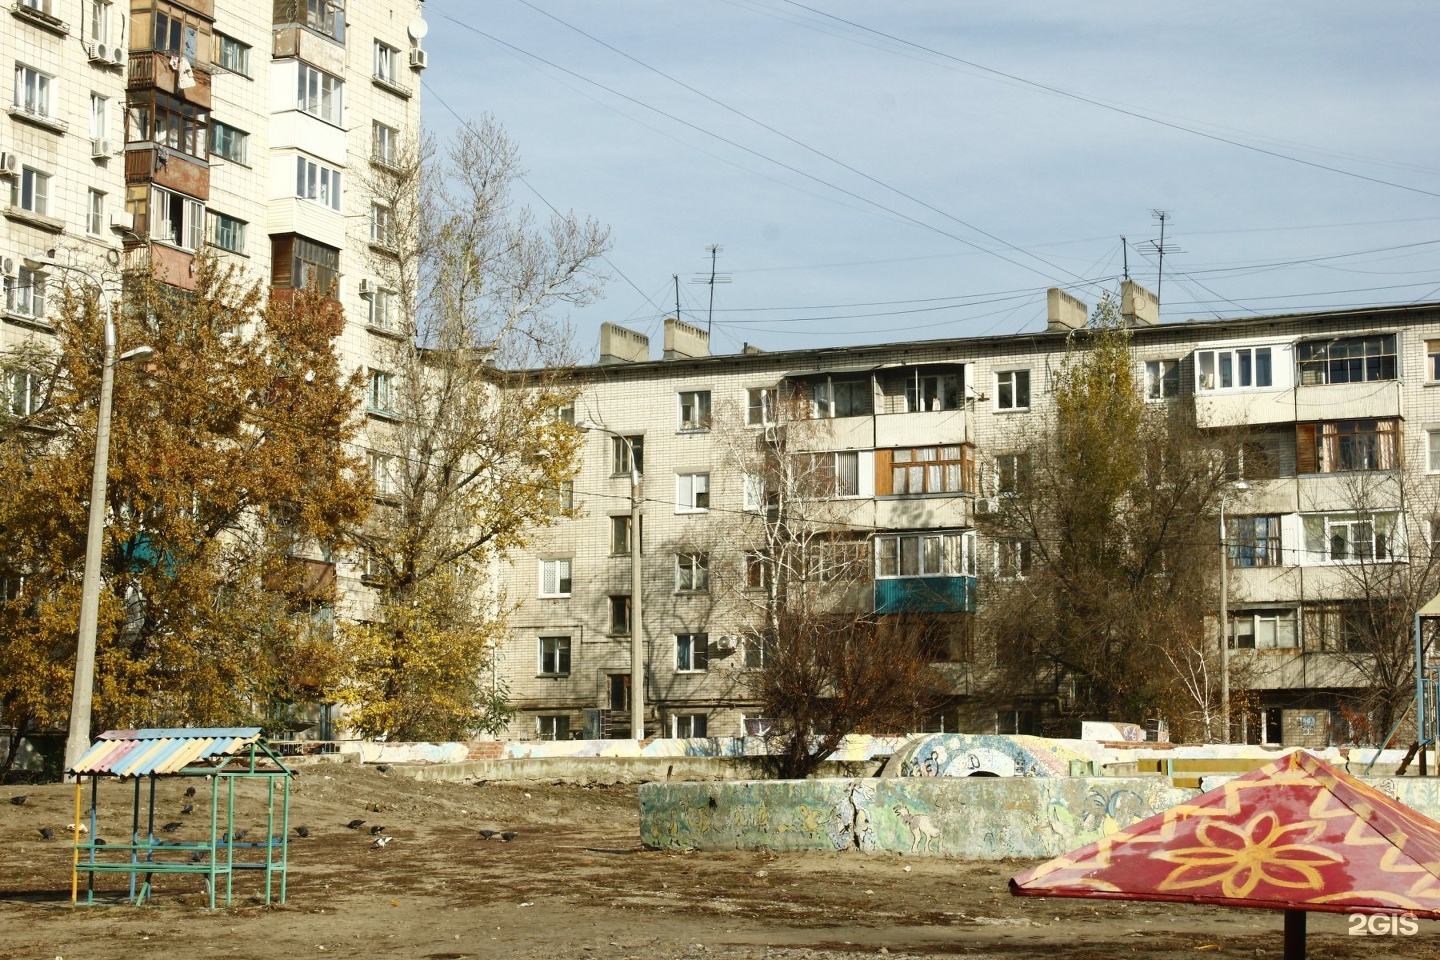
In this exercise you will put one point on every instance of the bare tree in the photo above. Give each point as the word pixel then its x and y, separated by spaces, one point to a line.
pixel 823 663
pixel 470 455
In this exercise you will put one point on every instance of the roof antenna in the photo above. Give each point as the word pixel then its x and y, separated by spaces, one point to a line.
pixel 714 278
pixel 676 278
pixel 1125 251
pixel 1161 249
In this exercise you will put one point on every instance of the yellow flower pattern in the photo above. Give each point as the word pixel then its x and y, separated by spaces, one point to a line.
pixel 1240 858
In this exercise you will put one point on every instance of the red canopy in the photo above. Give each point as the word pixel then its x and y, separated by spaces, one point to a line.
pixel 1296 834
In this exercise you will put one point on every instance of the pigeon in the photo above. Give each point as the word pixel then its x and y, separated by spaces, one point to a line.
pixel 383 767
pixel 355 824
pixel 239 835
pixel 302 831
pixel 188 808
pixel 47 833
pixel 374 808
pixel 375 830
pixel 508 835
pixel 99 841
pixel 20 800
pixel 380 842
pixel 189 791
pixel 171 827
pixel 197 856
pixel 489 834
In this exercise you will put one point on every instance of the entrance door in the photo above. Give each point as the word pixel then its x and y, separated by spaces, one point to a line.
pixel 1274 730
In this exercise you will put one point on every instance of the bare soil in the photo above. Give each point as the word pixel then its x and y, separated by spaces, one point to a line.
pixel 574 883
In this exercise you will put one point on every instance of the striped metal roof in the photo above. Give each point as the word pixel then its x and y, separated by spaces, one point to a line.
pixel 140 753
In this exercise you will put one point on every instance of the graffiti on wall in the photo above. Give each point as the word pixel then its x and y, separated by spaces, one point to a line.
pixel 969 755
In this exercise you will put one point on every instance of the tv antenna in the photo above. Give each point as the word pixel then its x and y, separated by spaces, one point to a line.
pixel 711 279
pixel 1161 248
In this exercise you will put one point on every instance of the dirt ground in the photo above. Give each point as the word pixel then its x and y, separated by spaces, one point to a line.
pixel 574 883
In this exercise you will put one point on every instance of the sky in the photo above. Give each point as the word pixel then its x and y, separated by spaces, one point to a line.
pixel 912 170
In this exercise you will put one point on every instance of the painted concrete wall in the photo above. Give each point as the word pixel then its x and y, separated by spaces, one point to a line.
pixel 968 755
pixel 987 818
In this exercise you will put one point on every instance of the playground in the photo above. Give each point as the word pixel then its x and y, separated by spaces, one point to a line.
pixel 574 882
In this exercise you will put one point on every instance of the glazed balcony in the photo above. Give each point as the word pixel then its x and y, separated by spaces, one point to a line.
pixel 156 69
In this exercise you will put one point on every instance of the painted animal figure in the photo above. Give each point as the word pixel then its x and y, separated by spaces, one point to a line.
pixel 922 829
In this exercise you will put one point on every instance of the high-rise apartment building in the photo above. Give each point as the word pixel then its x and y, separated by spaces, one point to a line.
pixel 1337 475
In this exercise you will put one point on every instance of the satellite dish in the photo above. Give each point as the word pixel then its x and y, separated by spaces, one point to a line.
pixel 418 28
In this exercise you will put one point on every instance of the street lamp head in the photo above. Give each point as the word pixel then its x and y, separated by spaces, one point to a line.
pixel 38 261
pixel 139 353
pixel 1241 486
pixel 585 426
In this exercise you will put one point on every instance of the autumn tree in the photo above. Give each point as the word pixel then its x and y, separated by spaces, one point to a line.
pixel 469 454
pixel 822 662
pixel 231 456
pixel 1117 515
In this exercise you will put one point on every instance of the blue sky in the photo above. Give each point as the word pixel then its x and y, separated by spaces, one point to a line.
pixel 905 176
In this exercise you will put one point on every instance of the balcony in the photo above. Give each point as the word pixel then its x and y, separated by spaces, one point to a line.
pixel 314 48
pixel 1333 401
pixel 160 70
pixel 163 263
pixel 148 163
pixel 304 579
pixel 924 428
pixel 925 595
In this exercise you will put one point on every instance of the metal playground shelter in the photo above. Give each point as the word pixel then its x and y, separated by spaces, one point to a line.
pixel 215 757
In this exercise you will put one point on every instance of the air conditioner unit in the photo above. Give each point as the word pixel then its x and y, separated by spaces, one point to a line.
pixel 101 148
pixel 98 51
pixel 726 644
pixel 367 287
pixel 124 220
pixel 419 59
pixel 986 508
pixel 9 163
pixel 772 433
pixel 7 266
pixel 117 56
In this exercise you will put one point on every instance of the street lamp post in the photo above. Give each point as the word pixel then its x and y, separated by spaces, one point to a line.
pixel 78 739
pixel 1240 487
pixel 637 624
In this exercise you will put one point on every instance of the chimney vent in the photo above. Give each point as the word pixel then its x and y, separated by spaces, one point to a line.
pixel 621 345
pixel 1064 312
pixel 683 341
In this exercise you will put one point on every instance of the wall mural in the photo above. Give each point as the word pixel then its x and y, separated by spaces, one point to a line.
pixel 968 755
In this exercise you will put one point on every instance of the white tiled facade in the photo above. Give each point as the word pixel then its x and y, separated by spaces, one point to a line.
pixel 1234 372
pixel 234 68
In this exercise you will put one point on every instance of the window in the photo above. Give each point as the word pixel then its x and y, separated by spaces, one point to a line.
pixel 95 213
pixel 325 16
pixel 688 725
pixel 232 54
pixel 555 656
pixel 922 470
pixel 758 565
pixel 1266 454
pixel 695 410
pixel 1335 627
pixel 1012 390
pixel 1347 359
pixel 381 396
pixel 176 32
pixel 1012 472
pixel 692 492
pixel 620 615
pixel 22 392
pixel 1263 629
pixel 839 559
pixel 1162 379
pixel 1434 527
pixel 227 233
pixel 97 24
pixel 175 218
pixel 387 59
pixel 692 573
pixel 932 392
pixel 552 728
pixel 562 496
pixel 380 311
pixel 754 499
pixel 692 652
pixel 1432 450
pixel 382 471
pixel 1013 559
pixel 173 123
pixel 752 652
pixel 1432 360
pixel 229 143
pixel 314 181
pixel 928 554
pixel 554 578
pixel 1343 538
pixel 620 534
pixel 760 405
pixel 848 397
pixel 831 474
pixel 382 226
pixel 1233 368
pixel 31 191
pixel 621 448
pixel 1254 541
pixel 32 92
pixel 320 94
pixel 298 263
pixel 1347 445
pixel 383 143
pixel 25 293
pixel 99 116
